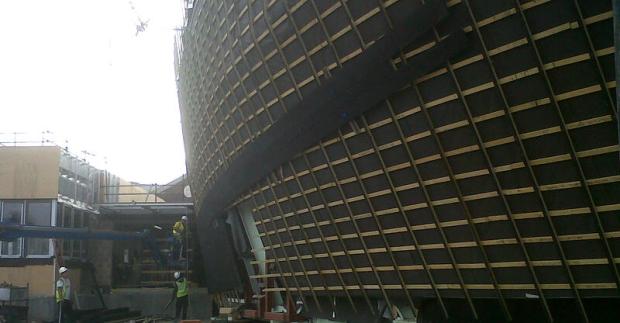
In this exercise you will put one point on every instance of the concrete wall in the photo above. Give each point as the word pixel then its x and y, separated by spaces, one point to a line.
pixel 39 277
pixel 42 309
pixel 29 172
pixel 100 253
pixel 40 280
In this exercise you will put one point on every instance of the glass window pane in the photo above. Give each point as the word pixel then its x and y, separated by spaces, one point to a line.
pixel 77 223
pixel 79 192
pixel 12 213
pixel 84 243
pixel 38 213
pixel 66 217
pixel 59 214
pixel 67 223
pixel 78 219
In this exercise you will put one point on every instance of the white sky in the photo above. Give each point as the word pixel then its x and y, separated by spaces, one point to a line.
pixel 77 69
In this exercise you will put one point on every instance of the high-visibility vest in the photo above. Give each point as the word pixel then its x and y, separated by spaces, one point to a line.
pixel 182 287
pixel 178 229
pixel 59 295
pixel 62 289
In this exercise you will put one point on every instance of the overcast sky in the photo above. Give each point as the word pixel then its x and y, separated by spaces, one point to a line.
pixel 76 68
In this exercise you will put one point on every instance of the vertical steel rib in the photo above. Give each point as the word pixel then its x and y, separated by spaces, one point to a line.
pixel 336 229
pixel 573 153
pixel 404 215
pixel 275 255
pixel 484 151
pixel 374 215
pixel 343 196
pixel 292 240
pixel 595 59
pixel 517 136
pixel 307 237
pixel 462 202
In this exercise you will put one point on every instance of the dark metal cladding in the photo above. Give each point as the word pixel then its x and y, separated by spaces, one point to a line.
pixel 483 187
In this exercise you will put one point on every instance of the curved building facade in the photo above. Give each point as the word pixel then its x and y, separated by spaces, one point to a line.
pixel 459 157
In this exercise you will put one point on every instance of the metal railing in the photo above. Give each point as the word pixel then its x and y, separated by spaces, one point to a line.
pixel 143 193
pixel 27 139
pixel 45 138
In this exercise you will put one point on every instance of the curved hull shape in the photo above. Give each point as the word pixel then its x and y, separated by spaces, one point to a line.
pixel 492 176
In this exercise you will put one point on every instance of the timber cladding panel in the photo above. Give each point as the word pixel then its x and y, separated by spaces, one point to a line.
pixel 131 192
pixel 29 172
pixel 494 176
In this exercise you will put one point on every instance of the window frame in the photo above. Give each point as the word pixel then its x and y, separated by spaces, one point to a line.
pixel 77 223
pixel 67 244
pixel 50 250
pixel 21 222
pixel 76 218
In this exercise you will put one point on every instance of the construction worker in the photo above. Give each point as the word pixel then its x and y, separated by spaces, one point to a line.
pixel 178 233
pixel 63 296
pixel 180 293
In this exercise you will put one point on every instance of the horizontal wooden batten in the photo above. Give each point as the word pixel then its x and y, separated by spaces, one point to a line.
pixel 490 172
pixel 493 242
pixel 500 16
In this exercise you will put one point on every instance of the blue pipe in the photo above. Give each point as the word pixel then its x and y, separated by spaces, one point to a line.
pixel 10 232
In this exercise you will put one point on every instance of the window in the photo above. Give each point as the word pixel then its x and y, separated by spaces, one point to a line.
pixel 67 222
pixel 76 180
pixel 12 213
pixel 65 186
pixel 84 243
pixel 38 213
pixel 71 217
pixel 77 244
